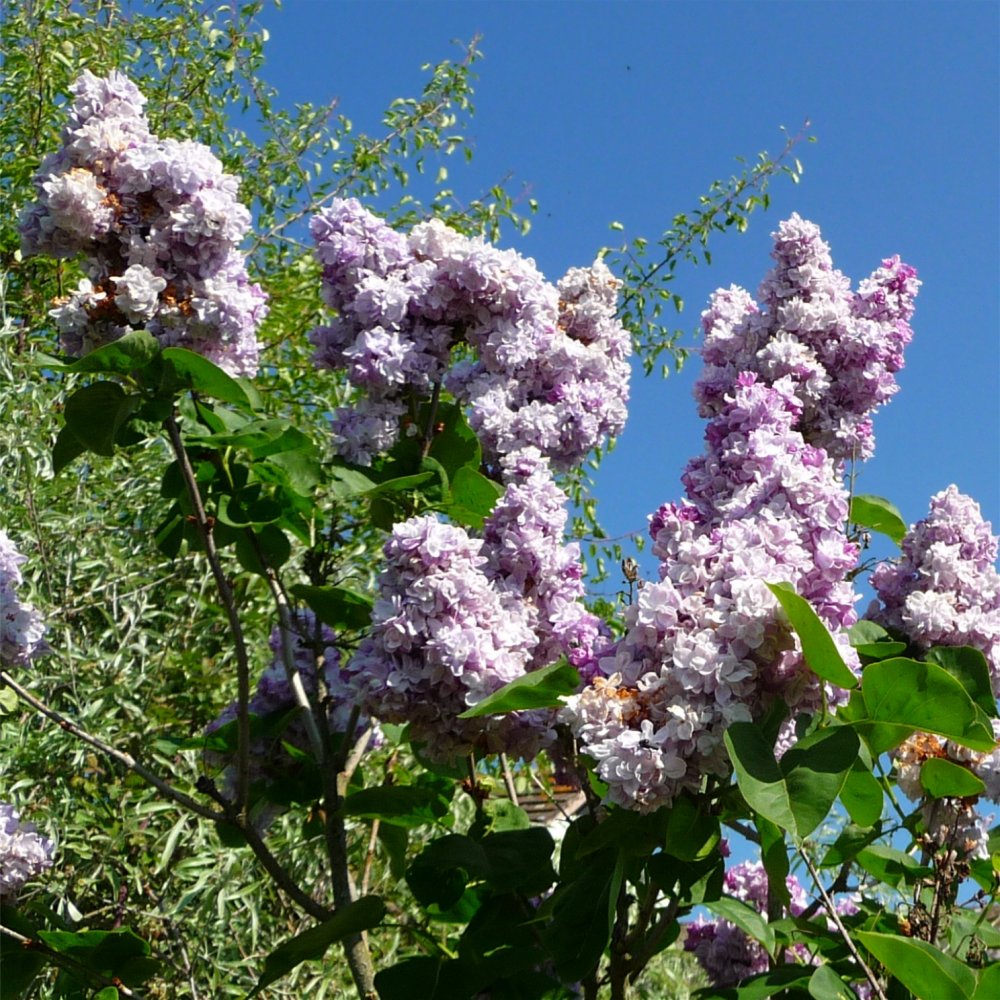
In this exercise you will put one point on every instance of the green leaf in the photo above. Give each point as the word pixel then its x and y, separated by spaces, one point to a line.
pixel 185 369
pixel 67 447
pixel 692 834
pixel 130 353
pixel 945 779
pixel 440 874
pixel 473 497
pixel 774 855
pixel 797 793
pixel 891 865
pixel 582 915
pixel 988 985
pixel 272 544
pixel 455 445
pixel 544 688
pixel 19 965
pixel 348 481
pixel 520 860
pixel 338 607
pixel 818 647
pixel 878 514
pixel 925 696
pixel 400 805
pixel 746 918
pixel 108 993
pixel 862 796
pixel 924 970
pixel 969 667
pixel 825 984
pixel 311 945
pixel 393 841
pixel 872 641
pixel 95 413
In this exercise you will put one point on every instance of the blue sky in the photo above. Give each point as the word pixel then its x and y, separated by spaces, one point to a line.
pixel 627 111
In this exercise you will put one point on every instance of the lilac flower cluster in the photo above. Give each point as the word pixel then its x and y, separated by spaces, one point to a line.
pixel 708 645
pixel 835 351
pixel 317 660
pixel 945 590
pixel 160 225
pixel 458 617
pixel 543 366
pixel 21 628
pixel 726 953
pixel 24 853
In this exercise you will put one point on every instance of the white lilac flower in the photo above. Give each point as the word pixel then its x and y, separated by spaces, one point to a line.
pixel 24 853
pixel 835 351
pixel 708 645
pixel 21 626
pixel 159 225
pixel 544 366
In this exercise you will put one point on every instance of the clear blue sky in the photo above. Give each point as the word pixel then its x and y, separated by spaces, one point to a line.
pixel 626 111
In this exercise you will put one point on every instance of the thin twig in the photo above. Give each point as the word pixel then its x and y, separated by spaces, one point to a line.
pixel 229 603
pixel 119 755
pixel 508 779
pixel 835 917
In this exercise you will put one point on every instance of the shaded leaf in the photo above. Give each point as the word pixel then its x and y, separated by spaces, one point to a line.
pixel 185 369
pixel 339 607
pixel 311 945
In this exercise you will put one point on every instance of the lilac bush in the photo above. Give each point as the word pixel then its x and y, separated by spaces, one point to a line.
pixel 536 364
pixel 24 853
pixel 21 626
pixel 159 225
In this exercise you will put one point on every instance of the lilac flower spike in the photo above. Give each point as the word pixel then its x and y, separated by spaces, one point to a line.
pixel 834 351
pixel 708 645
pixel 458 617
pixel 159 224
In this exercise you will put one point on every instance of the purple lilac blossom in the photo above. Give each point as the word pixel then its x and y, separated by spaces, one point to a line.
pixel 945 590
pixel 458 617
pixel 542 366
pixel 316 656
pixel 24 853
pixel 707 645
pixel 159 225
pixel 21 627
pixel 834 351
pixel 728 954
